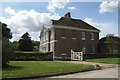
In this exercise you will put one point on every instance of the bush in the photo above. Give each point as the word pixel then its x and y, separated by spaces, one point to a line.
pixel 7 52
pixel 34 52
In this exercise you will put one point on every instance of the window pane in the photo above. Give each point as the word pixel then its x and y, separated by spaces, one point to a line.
pixel 92 36
pixel 73 34
pixel 83 35
pixel 63 33
pixel 52 34
pixel 84 50
pixel 63 49
pixel 93 50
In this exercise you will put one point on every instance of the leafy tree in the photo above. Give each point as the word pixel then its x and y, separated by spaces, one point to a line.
pixel 16 45
pixel 36 43
pixel 25 43
pixel 6 32
pixel 109 41
pixel 7 47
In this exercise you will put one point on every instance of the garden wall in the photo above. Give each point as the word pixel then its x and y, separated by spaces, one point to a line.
pixel 33 56
pixel 100 55
pixel 49 56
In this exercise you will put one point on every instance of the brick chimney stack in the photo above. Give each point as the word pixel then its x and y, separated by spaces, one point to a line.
pixel 68 15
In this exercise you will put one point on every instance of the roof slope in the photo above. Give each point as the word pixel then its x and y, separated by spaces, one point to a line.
pixel 70 22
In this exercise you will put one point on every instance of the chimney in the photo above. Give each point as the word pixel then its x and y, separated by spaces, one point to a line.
pixel 68 15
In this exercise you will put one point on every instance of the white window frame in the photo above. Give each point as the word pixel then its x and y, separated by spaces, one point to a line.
pixel 93 50
pixel 51 47
pixel 84 50
pixel 46 35
pixel 52 34
pixel 63 37
pixel 83 35
pixel 74 37
pixel 41 39
pixel 92 36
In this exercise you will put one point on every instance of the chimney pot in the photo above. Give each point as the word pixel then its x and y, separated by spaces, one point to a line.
pixel 68 15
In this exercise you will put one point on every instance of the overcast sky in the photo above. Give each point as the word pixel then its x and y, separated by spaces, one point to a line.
pixel 29 17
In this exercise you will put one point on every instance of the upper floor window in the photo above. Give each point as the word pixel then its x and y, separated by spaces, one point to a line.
pixel 41 39
pixel 83 35
pixel 52 34
pixel 63 34
pixel 92 36
pixel 73 34
pixel 46 35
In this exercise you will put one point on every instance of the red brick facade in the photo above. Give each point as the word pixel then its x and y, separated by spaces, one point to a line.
pixel 68 42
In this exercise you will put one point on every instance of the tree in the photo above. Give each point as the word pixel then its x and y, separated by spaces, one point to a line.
pixel 6 32
pixel 36 43
pixel 7 47
pixel 109 41
pixel 25 43
pixel 16 45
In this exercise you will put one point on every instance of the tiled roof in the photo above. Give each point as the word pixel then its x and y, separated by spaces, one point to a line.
pixel 70 22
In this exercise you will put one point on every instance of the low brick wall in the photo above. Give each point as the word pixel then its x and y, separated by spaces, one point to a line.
pixel 49 56
pixel 33 56
pixel 99 55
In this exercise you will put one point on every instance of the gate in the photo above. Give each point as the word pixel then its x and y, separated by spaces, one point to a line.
pixel 76 55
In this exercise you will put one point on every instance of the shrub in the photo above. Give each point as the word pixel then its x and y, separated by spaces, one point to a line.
pixel 7 52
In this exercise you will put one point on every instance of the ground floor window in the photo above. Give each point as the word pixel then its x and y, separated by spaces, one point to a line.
pixel 84 49
pixel 93 50
pixel 51 47
pixel 63 50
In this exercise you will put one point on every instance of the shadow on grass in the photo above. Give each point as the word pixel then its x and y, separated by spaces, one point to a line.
pixel 9 68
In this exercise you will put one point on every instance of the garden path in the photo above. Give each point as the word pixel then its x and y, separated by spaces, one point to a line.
pixel 91 63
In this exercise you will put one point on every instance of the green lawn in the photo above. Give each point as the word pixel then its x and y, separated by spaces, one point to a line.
pixel 104 60
pixel 27 68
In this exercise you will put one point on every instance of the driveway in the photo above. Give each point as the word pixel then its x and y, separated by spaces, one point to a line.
pixel 104 73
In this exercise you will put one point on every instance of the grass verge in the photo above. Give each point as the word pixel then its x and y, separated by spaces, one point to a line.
pixel 31 68
pixel 105 60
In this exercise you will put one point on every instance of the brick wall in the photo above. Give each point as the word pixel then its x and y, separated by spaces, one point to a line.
pixel 75 44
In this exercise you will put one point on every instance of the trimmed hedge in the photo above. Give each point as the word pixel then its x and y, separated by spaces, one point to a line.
pixel 32 52
pixel 33 55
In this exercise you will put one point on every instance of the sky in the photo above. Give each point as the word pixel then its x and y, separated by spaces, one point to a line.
pixel 22 17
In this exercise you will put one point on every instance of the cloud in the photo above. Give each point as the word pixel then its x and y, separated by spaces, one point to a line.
pixel 53 4
pixel 26 21
pixel 105 28
pixel 71 8
pixel 90 21
pixel 108 7
pixel 10 11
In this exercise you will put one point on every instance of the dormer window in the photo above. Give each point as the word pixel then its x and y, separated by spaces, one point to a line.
pixel 83 35
pixel 92 36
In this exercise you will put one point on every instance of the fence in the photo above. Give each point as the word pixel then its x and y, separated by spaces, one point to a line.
pixel 76 55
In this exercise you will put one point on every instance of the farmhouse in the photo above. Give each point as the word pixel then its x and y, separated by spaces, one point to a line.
pixel 66 34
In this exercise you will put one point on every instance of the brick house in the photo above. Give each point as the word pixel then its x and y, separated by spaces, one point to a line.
pixel 66 34
pixel 115 46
